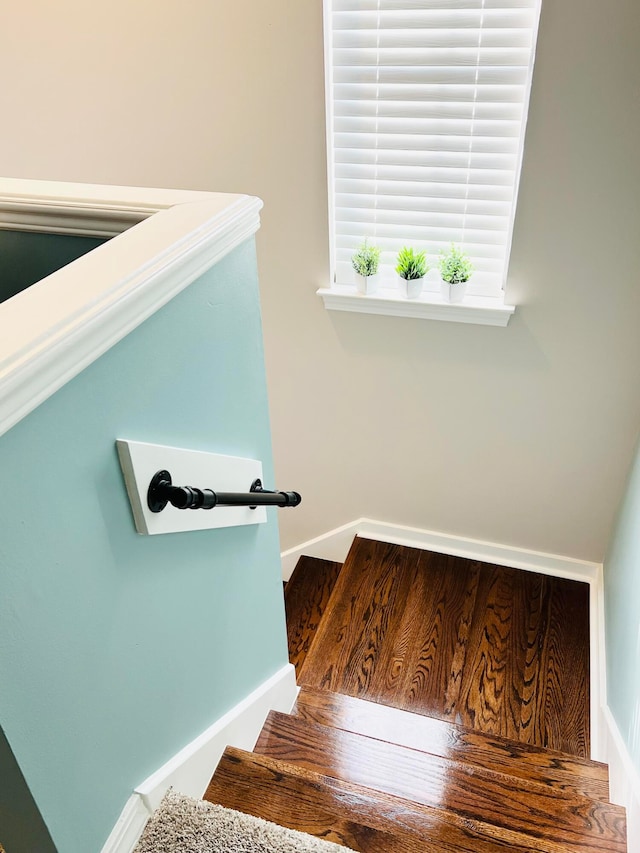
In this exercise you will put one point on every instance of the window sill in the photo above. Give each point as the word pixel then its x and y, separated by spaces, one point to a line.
pixel 481 310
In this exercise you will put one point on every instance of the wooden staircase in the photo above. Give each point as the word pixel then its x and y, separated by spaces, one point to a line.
pixel 375 777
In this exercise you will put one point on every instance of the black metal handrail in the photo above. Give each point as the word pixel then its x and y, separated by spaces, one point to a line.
pixel 162 492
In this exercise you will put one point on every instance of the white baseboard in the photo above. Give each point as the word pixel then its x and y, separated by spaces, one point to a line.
pixel 190 770
pixel 598 666
pixel 127 831
pixel 624 780
pixel 335 544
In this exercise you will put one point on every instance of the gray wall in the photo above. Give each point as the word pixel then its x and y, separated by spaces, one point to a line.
pixel 117 650
pixel 522 435
pixel 26 257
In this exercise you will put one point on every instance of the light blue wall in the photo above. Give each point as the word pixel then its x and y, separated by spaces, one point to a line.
pixel 26 257
pixel 117 649
pixel 622 615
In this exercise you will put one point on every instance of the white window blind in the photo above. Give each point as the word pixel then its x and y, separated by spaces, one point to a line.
pixel 427 105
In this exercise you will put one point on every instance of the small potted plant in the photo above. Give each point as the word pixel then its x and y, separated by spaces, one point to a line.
pixel 455 272
pixel 411 267
pixel 365 262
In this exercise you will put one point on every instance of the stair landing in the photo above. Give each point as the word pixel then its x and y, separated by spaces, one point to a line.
pixel 487 647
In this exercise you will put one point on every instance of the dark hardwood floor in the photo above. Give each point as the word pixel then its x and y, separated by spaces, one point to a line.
pixel 352 815
pixel 523 761
pixel 502 651
pixel 444 707
pixel 473 793
pixel 305 599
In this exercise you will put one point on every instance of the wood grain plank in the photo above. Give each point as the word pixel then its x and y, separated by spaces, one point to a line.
pixel 561 698
pixel 306 596
pixel 561 817
pixel 437 737
pixel 530 615
pixel 484 680
pixel 352 815
pixel 487 647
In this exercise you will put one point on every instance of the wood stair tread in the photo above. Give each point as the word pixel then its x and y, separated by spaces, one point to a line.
pixel 457 743
pixel 306 596
pixel 365 820
pixel 485 646
pixel 561 817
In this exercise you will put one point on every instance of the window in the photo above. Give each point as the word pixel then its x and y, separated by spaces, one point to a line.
pixel 427 104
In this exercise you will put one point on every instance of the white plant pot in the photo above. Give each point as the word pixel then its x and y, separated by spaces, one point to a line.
pixel 453 292
pixel 410 288
pixel 367 284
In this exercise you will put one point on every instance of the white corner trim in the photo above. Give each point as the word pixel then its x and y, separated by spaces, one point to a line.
pixel 599 736
pixel 190 770
pixel 624 780
pixel 597 664
pixel 479 310
pixel 610 747
pixel 58 326
pixel 335 544
pixel 127 831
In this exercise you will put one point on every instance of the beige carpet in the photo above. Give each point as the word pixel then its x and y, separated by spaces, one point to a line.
pixel 183 825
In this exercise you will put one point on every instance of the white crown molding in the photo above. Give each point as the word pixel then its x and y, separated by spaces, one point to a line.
pixel 58 326
pixel 89 210
pixel 479 310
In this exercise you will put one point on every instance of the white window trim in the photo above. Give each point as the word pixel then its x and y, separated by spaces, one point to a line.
pixel 480 310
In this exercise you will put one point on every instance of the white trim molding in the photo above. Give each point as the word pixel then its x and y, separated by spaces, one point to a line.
pixel 335 544
pixel 190 770
pixel 479 310
pixel 129 827
pixel 162 240
pixel 624 780
pixel 88 210
pixel 610 747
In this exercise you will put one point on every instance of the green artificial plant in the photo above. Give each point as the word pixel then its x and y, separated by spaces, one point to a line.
pixel 366 259
pixel 455 266
pixel 411 264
